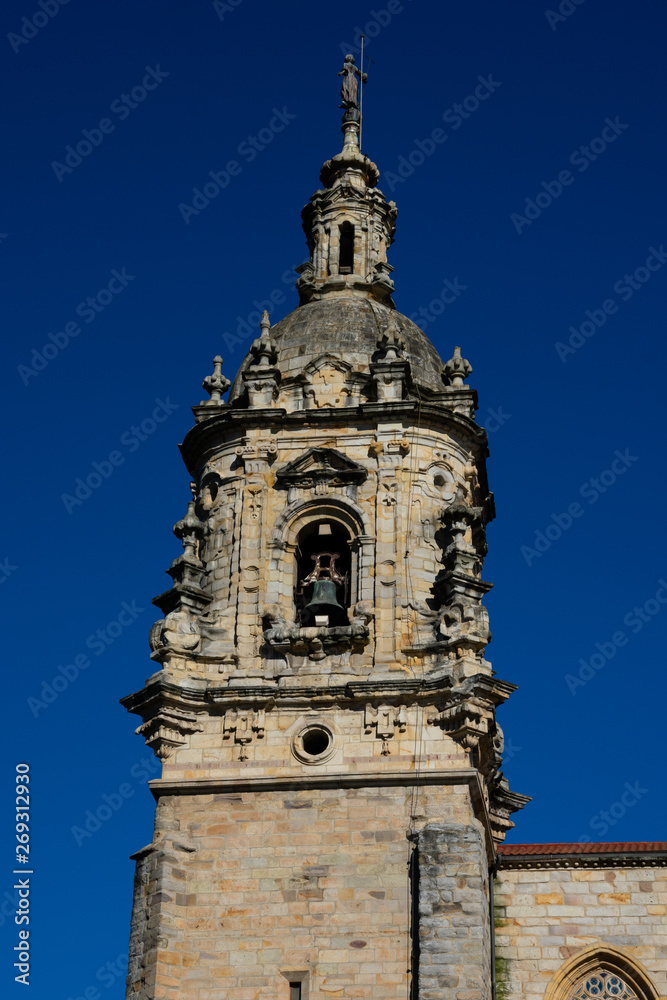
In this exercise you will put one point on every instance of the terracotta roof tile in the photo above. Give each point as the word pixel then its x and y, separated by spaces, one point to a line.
pixel 633 847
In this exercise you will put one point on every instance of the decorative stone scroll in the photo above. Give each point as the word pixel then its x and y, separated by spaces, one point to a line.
pixel 258 455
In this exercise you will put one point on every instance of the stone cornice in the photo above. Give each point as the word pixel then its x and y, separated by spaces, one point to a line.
pixel 360 779
pixel 204 439
pixel 620 859
pixel 196 693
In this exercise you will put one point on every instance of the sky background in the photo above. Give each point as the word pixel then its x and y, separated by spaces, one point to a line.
pixel 555 422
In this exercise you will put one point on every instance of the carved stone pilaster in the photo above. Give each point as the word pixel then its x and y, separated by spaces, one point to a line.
pixel 398 446
pixel 458 587
pixel 465 527
pixel 381 283
pixel 262 386
pixel 305 284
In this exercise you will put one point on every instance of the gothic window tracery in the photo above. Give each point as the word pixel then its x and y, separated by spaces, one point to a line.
pixel 603 985
pixel 602 973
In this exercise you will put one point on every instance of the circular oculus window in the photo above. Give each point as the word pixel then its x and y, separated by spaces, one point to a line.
pixel 313 744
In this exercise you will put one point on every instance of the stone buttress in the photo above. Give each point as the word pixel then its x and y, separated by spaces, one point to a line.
pixel 331 793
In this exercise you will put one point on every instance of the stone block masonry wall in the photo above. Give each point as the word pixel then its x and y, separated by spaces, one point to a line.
pixel 454 933
pixel 310 885
pixel 546 917
pixel 158 901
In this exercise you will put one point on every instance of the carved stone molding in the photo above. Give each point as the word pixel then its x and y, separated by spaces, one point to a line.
pixel 469 713
pixel 316 643
pixel 385 719
pixel 243 726
pixel 320 468
pixel 167 730
pixel 256 456
pixel 465 720
pixel 174 638
pixel 502 803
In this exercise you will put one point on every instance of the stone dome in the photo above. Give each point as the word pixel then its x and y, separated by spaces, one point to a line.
pixel 348 328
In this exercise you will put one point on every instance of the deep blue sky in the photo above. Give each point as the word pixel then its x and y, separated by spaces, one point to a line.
pixel 562 421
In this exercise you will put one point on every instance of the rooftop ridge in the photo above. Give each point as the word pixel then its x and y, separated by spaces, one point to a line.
pixel 613 847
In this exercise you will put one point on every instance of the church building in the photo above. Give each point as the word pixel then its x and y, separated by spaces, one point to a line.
pixel 331 810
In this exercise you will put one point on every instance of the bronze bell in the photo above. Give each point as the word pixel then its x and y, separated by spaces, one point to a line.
pixel 324 601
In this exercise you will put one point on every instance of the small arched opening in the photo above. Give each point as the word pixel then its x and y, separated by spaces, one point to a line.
pixel 346 248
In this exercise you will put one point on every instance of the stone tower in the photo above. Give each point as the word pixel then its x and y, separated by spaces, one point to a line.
pixel 331 794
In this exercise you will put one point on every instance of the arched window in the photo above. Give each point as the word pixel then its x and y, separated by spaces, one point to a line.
pixel 346 251
pixel 296 536
pixel 601 973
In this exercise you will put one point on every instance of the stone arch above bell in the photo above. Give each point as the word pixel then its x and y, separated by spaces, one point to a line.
pixel 345 519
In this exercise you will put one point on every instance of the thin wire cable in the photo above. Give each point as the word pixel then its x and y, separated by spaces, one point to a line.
pixel 419 720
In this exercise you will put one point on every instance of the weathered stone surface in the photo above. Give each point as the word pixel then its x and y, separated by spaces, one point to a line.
pixel 454 930
pixel 256 882
pixel 348 328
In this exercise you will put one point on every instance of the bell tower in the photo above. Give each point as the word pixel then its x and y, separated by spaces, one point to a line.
pixel 331 795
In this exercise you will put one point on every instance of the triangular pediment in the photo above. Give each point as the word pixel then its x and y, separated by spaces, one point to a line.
pixel 321 465
pixel 327 361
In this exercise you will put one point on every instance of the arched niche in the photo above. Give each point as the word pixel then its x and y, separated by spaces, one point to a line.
pixel 591 974
pixel 347 521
